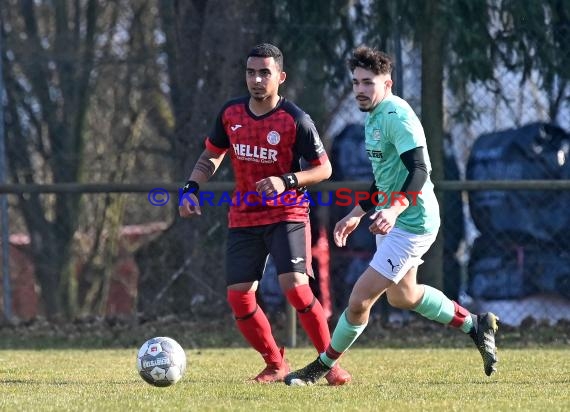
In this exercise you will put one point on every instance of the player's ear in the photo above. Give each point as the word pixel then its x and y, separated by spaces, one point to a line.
pixel 282 77
pixel 389 83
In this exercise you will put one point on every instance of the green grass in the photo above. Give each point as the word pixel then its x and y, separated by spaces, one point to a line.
pixel 531 379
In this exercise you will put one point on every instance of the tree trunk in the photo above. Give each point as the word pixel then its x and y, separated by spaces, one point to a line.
pixel 208 42
pixel 431 272
pixel 50 150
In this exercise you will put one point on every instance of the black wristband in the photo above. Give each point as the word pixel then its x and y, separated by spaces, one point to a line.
pixel 291 181
pixel 191 187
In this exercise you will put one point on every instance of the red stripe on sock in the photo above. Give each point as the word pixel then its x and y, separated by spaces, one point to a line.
pixel 332 354
pixel 459 315
pixel 313 321
pixel 256 328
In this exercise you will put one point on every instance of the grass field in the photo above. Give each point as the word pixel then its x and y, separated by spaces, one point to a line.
pixel 530 379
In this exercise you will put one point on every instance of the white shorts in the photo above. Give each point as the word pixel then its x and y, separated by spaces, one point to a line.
pixel 399 251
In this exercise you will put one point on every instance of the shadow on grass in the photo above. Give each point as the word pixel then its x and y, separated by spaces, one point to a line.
pixel 90 333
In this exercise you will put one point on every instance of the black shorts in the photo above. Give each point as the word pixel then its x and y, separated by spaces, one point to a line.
pixel 248 248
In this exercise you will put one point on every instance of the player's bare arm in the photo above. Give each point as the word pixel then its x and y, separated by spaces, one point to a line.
pixel 347 225
pixel 314 174
pixel 384 220
pixel 204 169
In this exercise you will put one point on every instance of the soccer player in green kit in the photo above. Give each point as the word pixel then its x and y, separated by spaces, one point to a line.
pixel 405 223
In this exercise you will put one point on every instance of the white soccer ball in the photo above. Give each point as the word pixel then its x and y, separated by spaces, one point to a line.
pixel 161 361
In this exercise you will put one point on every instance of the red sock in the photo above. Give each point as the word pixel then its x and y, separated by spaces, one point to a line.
pixel 254 326
pixel 311 315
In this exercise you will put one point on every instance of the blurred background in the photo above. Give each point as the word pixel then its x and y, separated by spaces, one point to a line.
pixel 103 100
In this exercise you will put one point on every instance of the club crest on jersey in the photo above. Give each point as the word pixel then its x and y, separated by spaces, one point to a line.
pixel 376 134
pixel 273 137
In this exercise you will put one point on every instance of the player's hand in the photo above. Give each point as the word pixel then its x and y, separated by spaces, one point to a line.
pixel 271 186
pixel 383 221
pixel 345 227
pixel 189 208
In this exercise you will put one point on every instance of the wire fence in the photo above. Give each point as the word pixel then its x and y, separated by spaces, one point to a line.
pixel 132 102
pixel 509 271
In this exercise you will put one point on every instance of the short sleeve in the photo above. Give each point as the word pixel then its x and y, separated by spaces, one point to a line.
pixel 218 140
pixel 406 132
pixel 308 142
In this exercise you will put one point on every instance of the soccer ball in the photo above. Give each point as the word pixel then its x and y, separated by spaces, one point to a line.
pixel 161 361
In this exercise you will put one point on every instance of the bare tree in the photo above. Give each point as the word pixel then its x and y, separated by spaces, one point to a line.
pixel 206 44
pixel 49 78
pixel 80 80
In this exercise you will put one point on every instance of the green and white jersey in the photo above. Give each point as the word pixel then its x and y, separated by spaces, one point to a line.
pixel 391 129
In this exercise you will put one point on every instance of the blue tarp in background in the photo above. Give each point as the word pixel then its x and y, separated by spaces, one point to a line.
pixel 523 247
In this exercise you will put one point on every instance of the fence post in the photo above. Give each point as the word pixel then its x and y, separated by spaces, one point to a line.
pixel 7 293
pixel 291 325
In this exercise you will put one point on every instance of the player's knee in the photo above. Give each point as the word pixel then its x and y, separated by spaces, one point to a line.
pixel 400 301
pixel 358 307
pixel 291 280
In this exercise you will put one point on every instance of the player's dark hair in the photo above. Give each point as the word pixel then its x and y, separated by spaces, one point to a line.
pixel 371 59
pixel 268 50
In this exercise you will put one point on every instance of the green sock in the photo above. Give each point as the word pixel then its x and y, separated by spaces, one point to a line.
pixel 438 307
pixel 344 335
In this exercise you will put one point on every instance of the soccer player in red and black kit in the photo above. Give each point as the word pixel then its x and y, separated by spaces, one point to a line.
pixel 266 137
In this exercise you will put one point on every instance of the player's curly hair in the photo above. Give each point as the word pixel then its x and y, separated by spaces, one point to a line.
pixel 371 59
pixel 268 50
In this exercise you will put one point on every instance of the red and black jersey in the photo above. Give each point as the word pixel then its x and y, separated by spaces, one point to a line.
pixel 263 146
